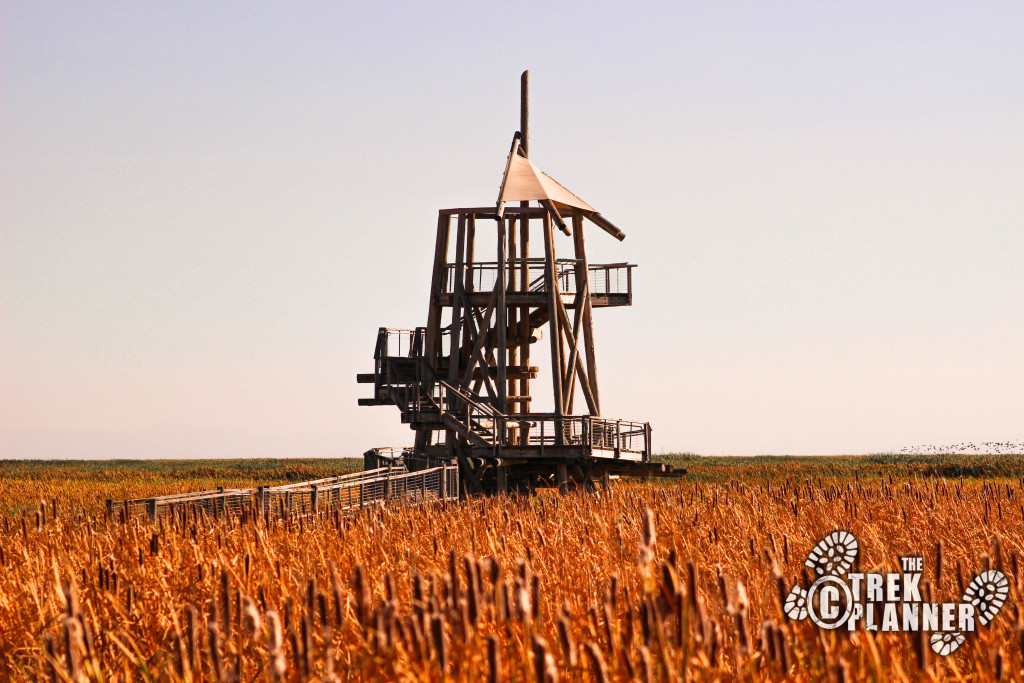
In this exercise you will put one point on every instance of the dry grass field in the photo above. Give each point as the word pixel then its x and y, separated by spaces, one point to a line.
pixel 647 581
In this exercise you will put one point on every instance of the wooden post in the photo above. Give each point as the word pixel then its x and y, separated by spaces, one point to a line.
pixel 583 271
pixel 314 495
pixel 261 501
pixel 525 332
pixel 524 111
pixel 647 442
pixel 455 352
pixel 551 280
pixel 501 325
pixel 468 309
pixel 151 508
pixel 563 478
pixel 524 251
pixel 468 285
pixel 513 312
pixel 432 342
pixel 502 475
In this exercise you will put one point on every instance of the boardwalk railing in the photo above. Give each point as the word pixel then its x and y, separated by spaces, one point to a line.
pixel 346 492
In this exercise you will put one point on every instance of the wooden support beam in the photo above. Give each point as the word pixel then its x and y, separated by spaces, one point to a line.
pixel 524 111
pixel 575 343
pixel 501 473
pixel 512 311
pixel 501 322
pixel 555 216
pixel 512 372
pixel 585 383
pixel 524 236
pixel 525 331
pixel 432 345
pixel 564 329
pixel 605 224
pixel 467 287
pixel 455 353
pixel 551 280
pixel 471 478
pixel 481 339
pixel 477 356
pixel 583 271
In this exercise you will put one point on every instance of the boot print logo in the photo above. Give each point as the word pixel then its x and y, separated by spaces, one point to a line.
pixel 889 602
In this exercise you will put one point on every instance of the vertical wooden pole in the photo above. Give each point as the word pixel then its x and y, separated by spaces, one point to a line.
pixel 524 248
pixel 582 276
pixel 501 326
pixel 513 313
pixel 470 252
pixel 568 383
pixel 524 112
pixel 563 478
pixel 551 280
pixel 525 331
pixel 647 442
pixel 455 353
pixel 432 343
pixel 468 310
pixel 502 475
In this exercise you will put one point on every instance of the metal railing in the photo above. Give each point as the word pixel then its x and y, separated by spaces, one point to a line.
pixel 346 492
pixel 620 436
pixel 603 279
pixel 429 399
pixel 424 398
pixel 396 342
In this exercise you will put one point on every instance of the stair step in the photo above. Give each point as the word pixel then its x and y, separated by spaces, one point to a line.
pixel 511 372
pixel 376 402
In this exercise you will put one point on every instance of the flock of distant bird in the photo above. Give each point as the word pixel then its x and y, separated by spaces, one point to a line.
pixel 985 447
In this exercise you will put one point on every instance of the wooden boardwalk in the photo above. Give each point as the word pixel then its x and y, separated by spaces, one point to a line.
pixel 390 484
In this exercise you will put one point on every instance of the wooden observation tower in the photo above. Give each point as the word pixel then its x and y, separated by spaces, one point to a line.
pixel 463 382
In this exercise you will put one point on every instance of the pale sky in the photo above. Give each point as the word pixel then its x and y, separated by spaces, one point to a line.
pixel 208 209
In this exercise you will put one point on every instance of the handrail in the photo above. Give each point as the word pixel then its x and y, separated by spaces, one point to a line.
pixel 466 398
pixel 481 276
pixel 354 476
pixel 436 483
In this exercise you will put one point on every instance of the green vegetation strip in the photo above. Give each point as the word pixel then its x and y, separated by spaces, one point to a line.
pixel 878 465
